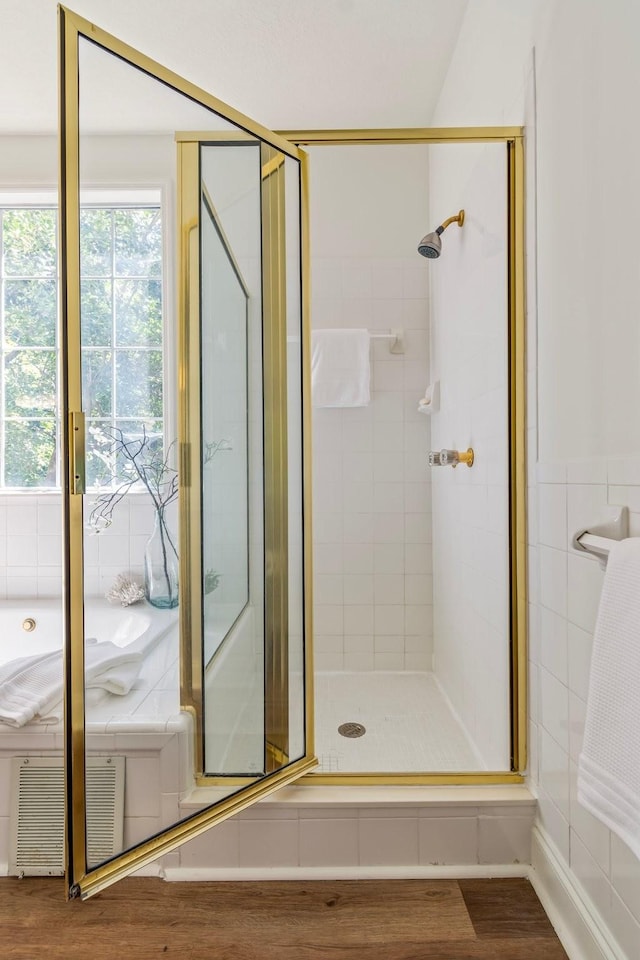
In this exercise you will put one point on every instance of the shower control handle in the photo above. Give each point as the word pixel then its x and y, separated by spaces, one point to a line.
pixel 451 458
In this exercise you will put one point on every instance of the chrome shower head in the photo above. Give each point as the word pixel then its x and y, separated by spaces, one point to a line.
pixel 431 245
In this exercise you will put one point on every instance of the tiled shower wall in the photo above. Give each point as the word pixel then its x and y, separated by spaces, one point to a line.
pixel 371 489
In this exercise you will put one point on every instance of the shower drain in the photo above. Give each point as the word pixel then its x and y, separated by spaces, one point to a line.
pixel 351 729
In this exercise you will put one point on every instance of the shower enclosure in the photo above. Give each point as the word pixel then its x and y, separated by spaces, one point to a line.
pixel 226 408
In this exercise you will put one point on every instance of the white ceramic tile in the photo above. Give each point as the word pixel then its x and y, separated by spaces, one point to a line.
pixel 389 644
pixel 142 792
pixel 554 772
pixel 388 842
pixel 388 528
pixel 360 661
pixel 329 619
pixel 504 839
pixel 448 840
pixel 327 589
pixel 554 822
pixel 388 467
pixel 417 528
pixel 622 472
pixel 418 588
pixel 553 579
pixel 417 618
pixel 358 589
pixel 625 875
pixel 418 558
pixel 22 519
pixel 359 644
pixel 587 471
pixel 577 714
pixel 388 497
pixel 590 876
pixel 585 579
pixel 388 619
pixel 217 847
pixel 418 660
pixel 328 528
pixel 554 708
pixel 417 497
pixel 627 928
pixel 389 588
pixel 580 644
pixel 359 527
pixel 330 558
pixel 21 550
pixel 625 496
pixel 357 558
pixel 358 620
pixel 268 843
pixel 552 515
pixel 332 842
pixel 388 661
pixel 388 558
pixel 357 497
pixel 334 643
pixel 592 832
pixel 553 643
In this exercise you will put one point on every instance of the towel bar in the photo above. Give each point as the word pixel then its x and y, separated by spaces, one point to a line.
pixel 397 336
pixel 599 539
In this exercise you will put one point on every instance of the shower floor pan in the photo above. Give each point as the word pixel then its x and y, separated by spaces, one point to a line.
pixel 409 725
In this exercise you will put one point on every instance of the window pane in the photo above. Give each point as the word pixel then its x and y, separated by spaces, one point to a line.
pixel 138 312
pixel 99 461
pixel 95 243
pixel 30 453
pixel 139 383
pixel 95 311
pixel 30 308
pixel 138 243
pixel 97 374
pixel 29 240
pixel 30 383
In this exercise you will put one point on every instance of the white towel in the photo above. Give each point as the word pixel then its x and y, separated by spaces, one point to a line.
pixel 340 369
pixel 609 765
pixel 31 687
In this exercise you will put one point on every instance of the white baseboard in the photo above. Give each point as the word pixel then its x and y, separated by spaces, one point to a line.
pixel 427 872
pixel 579 927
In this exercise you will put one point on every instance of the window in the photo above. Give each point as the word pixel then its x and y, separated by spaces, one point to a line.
pixel 122 337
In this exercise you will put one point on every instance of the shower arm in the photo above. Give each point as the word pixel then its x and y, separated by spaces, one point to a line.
pixel 459 219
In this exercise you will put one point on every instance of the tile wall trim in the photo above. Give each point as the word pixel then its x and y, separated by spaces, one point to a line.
pixel 431 872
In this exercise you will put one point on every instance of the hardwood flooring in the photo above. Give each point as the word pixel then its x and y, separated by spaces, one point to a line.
pixel 319 920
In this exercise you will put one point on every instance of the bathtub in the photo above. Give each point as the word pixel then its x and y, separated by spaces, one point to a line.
pixel 30 627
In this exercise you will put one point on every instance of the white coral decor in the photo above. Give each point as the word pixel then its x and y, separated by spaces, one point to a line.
pixel 125 591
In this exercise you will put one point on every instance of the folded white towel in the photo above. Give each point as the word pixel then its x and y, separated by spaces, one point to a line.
pixel 340 368
pixel 609 765
pixel 31 687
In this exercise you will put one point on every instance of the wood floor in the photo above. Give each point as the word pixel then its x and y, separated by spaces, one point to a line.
pixel 320 920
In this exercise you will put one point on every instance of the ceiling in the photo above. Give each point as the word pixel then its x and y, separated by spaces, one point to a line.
pixel 286 63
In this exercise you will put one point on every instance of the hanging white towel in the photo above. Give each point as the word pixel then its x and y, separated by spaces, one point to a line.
pixel 340 369
pixel 609 765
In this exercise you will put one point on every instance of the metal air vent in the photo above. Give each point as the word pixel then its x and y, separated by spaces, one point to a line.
pixel 37 813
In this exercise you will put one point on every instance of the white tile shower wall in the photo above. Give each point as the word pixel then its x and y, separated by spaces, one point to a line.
pixel 470 506
pixel 371 490
pixel 581 322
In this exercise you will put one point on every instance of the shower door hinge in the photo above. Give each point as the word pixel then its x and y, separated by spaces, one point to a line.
pixel 76 452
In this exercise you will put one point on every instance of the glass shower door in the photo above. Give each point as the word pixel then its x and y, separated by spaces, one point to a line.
pixel 207 403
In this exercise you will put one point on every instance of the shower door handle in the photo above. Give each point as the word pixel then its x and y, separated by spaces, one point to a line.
pixel 77 472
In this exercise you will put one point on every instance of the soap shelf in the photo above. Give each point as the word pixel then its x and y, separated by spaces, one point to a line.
pixel 598 540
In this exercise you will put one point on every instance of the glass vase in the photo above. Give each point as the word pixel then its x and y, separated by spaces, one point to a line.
pixel 161 567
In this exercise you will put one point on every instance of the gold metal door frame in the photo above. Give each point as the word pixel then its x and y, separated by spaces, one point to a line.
pixel 513 138
pixel 81 879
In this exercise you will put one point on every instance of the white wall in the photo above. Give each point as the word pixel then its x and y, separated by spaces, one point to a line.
pixel 583 350
pixel 371 492
pixel 469 337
